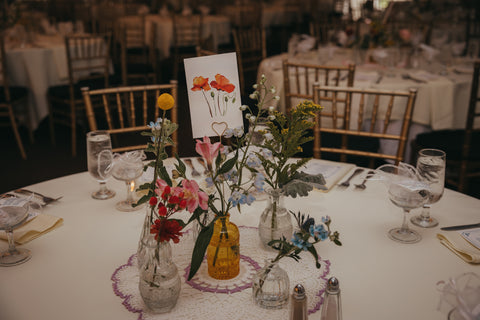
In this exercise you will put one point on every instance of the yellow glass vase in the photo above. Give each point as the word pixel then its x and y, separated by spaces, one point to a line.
pixel 223 252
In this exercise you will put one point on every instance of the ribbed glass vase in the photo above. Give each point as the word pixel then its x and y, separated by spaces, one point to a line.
pixel 223 251
pixel 270 286
pixel 159 279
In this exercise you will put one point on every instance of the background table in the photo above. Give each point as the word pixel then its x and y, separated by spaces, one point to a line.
pixel 68 276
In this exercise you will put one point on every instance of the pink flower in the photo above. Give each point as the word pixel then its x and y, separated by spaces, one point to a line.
pixel 207 150
pixel 193 196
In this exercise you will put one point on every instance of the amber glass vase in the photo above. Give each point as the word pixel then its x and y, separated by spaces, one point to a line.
pixel 223 252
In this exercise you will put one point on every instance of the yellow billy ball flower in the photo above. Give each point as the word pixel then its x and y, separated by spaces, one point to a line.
pixel 165 101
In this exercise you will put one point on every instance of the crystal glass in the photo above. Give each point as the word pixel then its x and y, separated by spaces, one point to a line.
pixel 159 283
pixel 100 160
pixel 431 167
pixel 12 216
pixel 270 286
pixel 406 191
pixel 128 167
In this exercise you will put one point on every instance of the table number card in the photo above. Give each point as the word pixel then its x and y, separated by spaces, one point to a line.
pixel 213 94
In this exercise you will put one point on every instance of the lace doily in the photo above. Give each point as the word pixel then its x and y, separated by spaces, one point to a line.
pixel 204 297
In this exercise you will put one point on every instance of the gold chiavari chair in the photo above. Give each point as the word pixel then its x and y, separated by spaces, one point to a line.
pixel 126 111
pixel 10 97
pixel 298 79
pixel 251 49
pixel 187 35
pixel 138 55
pixel 340 127
pixel 462 145
pixel 88 62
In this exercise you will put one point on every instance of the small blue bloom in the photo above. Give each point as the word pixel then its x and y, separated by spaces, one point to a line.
pixel 259 182
pixel 209 182
pixel 326 219
pixel 300 243
pixel 319 232
pixel 228 133
pixel 266 153
pixel 231 176
pixel 250 199
pixel 253 161
pixel 237 198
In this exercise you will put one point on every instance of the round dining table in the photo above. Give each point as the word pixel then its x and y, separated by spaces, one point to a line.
pixel 75 269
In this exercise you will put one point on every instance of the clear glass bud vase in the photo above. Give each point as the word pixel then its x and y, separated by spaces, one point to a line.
pixel 147 240
pixel 275 220
pixel 270 286
pixel 159 279
pixel 223 251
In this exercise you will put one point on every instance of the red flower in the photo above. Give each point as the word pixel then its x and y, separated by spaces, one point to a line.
pixel 174 200
pixel 222 83
pixel 162 210
pixel 200 83
pixel 153 201
pixel 165 230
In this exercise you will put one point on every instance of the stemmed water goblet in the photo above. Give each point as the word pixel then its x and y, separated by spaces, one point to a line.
pixel 100 161
pixel 12 216
pixel 431 167
pixel 128 167
pixel 406 191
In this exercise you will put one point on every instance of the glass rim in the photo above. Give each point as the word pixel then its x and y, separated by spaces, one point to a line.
pixel 98 132
pixel 432 152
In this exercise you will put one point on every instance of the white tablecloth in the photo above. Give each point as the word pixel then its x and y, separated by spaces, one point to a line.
pixel 69 274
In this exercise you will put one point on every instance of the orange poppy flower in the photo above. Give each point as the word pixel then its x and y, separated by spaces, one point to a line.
pixel 222 83
pixel 200 83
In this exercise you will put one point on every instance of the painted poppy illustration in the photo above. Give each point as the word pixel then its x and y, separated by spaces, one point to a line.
pixel 225 93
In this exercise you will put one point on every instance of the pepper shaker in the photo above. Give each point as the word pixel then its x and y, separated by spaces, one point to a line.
pixel 332 308
pixel 299 304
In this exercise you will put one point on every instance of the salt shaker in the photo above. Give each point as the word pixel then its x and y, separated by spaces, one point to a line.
pixel 332 307
pixel 299 304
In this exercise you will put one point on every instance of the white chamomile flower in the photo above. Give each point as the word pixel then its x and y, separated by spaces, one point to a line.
pixel 276 98
pixel 255 86
pixel 243 107
pixel 271 117
pixel 247 116
pixel 271 109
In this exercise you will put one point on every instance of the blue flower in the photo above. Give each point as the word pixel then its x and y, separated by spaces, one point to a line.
pixel 253 161
pixel 326 219
pixel 209 182
pixel 300 243
pixel 259 182
pixel 319 232
pixel 228 133
pixel 231 176
pixel 250 199
pixel 237 198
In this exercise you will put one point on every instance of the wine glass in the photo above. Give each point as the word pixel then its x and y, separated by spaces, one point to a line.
pixel 431 167
pixel 128 167
pixel 100 161
pixel 12 216
pixel 406 191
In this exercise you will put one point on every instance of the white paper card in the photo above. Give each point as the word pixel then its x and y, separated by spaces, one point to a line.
pixel 213 94
pixel 472 236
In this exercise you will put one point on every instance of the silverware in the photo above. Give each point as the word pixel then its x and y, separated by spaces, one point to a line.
pixel 195 173
pixel 44 198
pixel 346 183
pixel 461 227
pixel 362 185
pixel 204 165
pixel 408 77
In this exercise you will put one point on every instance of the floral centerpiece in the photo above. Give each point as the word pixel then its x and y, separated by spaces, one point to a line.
pixel 270 285
pixel 283 139
pixel 159 280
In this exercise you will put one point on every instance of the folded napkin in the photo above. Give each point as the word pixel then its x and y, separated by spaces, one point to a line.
pixel 455 242
pixel 34 228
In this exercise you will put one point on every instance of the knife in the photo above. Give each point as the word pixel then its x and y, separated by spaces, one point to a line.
pixel 461 227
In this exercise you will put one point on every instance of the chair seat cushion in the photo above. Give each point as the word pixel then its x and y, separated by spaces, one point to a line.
pixel 450 141
pixel 16 93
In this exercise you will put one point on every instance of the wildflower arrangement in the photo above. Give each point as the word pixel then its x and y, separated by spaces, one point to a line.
pixel 232 188
pixel 165 199
pixel 282 141
pixel 304 238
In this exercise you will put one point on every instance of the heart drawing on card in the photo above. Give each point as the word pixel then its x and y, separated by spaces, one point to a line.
pixel 219 128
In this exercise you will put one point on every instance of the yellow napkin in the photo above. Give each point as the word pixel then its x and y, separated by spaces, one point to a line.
pixel 461 247
pixel 34 228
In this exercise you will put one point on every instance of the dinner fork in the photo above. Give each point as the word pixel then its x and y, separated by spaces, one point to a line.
pixel 362 186
pixel 195 173
pixel 44 198
pixel 346 183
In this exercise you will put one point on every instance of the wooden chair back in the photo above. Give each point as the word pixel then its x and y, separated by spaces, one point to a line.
pixel 6 108
pixel 470 167
pixel 250 47
pixel 187 35
pixel 346 112
pixel 298 79
pixel 126 111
